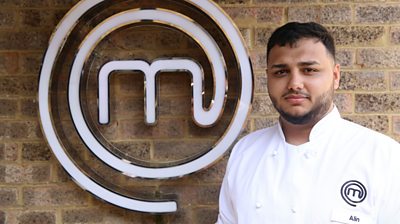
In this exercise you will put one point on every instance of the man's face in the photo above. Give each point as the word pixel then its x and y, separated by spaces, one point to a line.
pixel 301 80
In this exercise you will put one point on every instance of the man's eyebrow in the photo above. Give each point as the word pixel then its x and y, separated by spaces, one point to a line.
pixel 279 66
pixel 302 63
pixel 306 63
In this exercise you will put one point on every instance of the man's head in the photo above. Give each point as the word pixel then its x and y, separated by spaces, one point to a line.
pixel 291 32
pixel 302 74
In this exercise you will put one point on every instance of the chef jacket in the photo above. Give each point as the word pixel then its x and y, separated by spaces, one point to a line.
pixel 346 173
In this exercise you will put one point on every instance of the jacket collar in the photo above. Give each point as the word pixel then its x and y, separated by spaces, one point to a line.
pixel 325 126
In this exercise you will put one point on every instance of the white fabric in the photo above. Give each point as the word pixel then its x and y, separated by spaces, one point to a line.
pixel 270 181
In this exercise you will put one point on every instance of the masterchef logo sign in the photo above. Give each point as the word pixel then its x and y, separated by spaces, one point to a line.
pixel 99 42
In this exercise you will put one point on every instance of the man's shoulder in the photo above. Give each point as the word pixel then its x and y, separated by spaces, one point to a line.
pixel 255 140
pixel 263 133
pixel 250 149
pixel 367 134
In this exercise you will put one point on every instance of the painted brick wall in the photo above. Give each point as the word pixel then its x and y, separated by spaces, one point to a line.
pixel 35 189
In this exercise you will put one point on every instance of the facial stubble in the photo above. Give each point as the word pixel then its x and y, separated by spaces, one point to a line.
pixel 321 106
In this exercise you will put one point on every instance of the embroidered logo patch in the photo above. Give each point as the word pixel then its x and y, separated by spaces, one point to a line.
pixel 353 192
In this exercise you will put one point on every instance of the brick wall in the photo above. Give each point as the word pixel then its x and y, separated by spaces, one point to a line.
pixel 35 189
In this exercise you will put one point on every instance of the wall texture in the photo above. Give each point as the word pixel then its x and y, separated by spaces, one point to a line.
pixel 35 189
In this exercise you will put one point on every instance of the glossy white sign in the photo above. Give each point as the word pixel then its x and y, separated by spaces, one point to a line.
pixel 201 116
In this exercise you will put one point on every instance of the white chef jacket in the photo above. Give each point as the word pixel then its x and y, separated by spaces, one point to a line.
pixel 346 173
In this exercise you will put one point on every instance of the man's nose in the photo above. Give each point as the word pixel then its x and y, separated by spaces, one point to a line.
pixel 296 81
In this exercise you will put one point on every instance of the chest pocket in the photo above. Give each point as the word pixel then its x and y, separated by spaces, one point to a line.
pixel 351 217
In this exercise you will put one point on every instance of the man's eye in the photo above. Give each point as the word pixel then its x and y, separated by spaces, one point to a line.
pixel 310 70
pixel 280 72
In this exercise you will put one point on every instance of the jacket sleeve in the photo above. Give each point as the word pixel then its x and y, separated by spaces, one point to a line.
pixel 227 211
pixel 389 213
pixel 226 208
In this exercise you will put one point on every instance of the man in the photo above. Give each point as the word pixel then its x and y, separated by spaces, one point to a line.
pixel 313 167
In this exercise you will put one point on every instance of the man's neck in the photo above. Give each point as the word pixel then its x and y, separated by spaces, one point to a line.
pixel 297 134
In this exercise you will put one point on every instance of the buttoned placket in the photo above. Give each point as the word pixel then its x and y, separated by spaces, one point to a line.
pixel 300 173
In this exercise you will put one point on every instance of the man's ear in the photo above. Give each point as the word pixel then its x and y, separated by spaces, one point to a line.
pixel 336 76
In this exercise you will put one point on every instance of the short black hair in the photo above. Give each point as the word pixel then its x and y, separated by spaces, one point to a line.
pixel 291 32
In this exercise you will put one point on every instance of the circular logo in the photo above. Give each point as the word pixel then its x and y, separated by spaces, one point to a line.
pixel 353 192
pixel 84 104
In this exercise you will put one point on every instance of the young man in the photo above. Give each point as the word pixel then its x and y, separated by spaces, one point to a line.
pixel 313 167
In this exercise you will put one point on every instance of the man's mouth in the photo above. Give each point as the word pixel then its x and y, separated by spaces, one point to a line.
pixel 296 98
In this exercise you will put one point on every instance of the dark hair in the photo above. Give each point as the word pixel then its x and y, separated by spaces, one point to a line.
pixel 291 32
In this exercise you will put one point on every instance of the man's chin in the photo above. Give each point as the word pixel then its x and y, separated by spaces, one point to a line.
pixel 296 118
pixel 298 113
